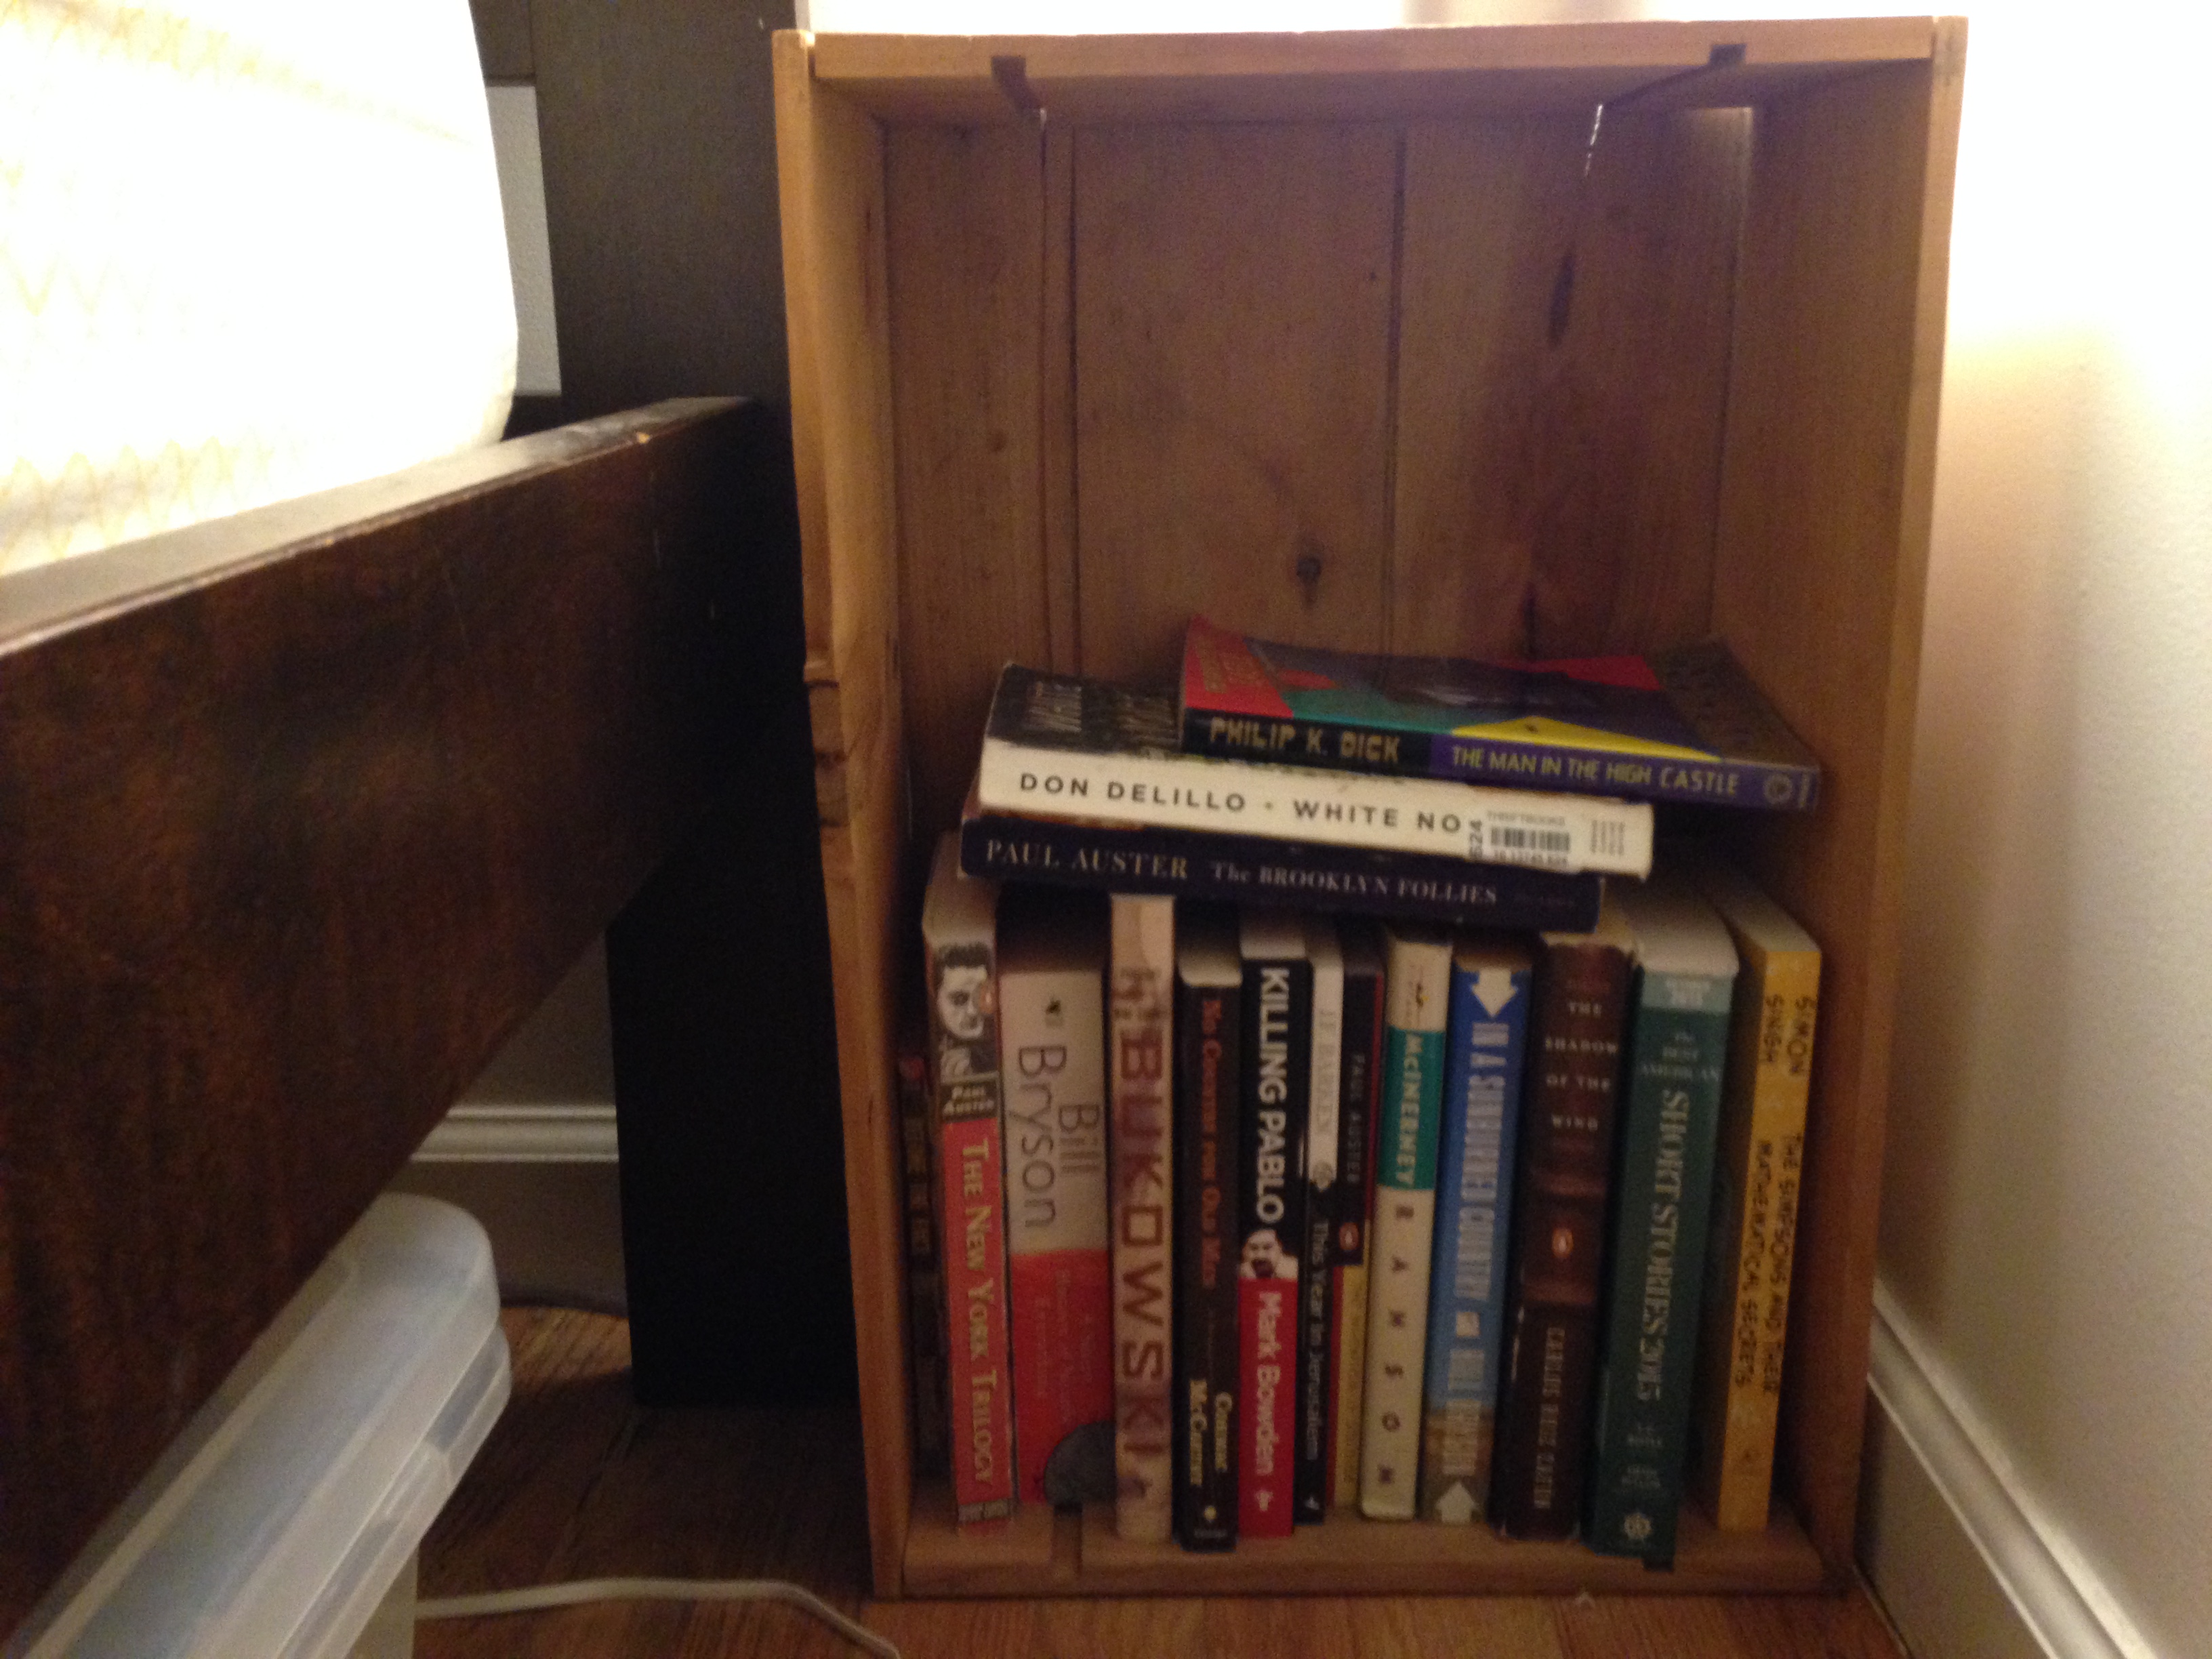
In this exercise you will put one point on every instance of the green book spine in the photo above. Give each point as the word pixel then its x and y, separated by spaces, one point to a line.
pixel 1677 1050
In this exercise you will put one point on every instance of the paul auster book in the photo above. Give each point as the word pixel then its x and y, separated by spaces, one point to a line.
pixel 1684 725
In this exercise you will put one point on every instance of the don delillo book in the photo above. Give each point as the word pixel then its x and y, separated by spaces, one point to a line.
pixel 1140 1003
pixel 958 932
pixel 1052 1044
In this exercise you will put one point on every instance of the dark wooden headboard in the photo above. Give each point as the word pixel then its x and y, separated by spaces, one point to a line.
pixel 300 813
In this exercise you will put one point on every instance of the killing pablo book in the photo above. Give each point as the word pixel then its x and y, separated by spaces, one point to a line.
pixel 959 933
pixel 1685 970
pixel 1361 1070
pixel 1681 725
pixel 1310 1470
pixel 1140 1006
pixel 1073 747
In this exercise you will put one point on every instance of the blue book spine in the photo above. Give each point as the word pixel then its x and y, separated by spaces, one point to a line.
pixel 1490 990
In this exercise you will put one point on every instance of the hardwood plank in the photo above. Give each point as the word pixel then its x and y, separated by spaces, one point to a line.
pixel 1056 382
pixel 1222 449
pixel 301 812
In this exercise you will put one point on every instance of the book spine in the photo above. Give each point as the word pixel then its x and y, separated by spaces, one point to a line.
pixel 1755 1231
pixel 1139 1007
pixel 1278 1059
pixel 925 1291
pixel 1420 973
pixel 1201 864
pixel 1055 1066
pixel 1558 1253
pixel 1208 1027
pixel 1310 1470
pixel 970 1171
pixel 1543 830
pixel 1678 1048
pixel 1355 1197
pixel 1467 1297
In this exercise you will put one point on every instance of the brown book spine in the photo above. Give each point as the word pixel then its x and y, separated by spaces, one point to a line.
pixel 925 1283
pixel 1558 1250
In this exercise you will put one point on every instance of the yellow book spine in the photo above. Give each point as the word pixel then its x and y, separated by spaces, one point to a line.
pixel 1350 1360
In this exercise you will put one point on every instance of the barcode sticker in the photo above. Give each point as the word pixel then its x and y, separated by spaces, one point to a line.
pixel 1513 843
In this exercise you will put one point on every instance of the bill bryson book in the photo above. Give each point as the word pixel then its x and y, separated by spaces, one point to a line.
pixel 1684 725
pixel 1559 1210
pixel 1082 748
pixel 1209 1067
pixel 1418 975
pixel 1677 1033
pixel 1361 1069
pixel 1140 1005
pixel 959 936
pixel 1309 1472
pixel 1485 1048
pixel 1239 869
pixel 1271 1180
pixel 1755 1185
pixel 1051 1046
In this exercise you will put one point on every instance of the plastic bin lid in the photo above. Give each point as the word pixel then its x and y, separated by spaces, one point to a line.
pixel 295 1497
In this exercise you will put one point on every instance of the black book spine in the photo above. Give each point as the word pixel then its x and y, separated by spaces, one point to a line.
pixel 1271 1178
pixel 1208 1032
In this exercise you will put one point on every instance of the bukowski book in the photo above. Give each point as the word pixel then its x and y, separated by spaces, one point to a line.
pixel 1239 869
pixel 1271 1178
pixel 1684 725
pixel 1361 1070
pixel 1417 972
pixel 1209 1072
pixel 1678 1032
pixel 1310 1469
pixel 1486 1043
pixel 925 1290
pixel 1560 1203
pixel 959 936
pixel 1052 1037
pixel 1140 1003
pixel 1759 1167
pixel 1066 747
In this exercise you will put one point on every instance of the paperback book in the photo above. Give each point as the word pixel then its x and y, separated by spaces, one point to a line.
pixel 1309 1474
pixel 1361 1070
pixel 1139 1009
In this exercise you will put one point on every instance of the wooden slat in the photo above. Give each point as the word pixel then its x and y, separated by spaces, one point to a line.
pixel 301 812
pixel 1056 383
pixel 1232 342
pixel 1821 568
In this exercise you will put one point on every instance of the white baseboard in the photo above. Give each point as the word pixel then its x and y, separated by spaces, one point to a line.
pixel 1967 1564
pixel 474 1134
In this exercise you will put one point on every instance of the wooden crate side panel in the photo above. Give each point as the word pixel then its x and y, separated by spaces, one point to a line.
pixel 967 242
pixel 1232 309
pixel 1820 568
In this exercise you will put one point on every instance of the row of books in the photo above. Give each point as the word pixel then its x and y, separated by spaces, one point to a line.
pixel 1234 1216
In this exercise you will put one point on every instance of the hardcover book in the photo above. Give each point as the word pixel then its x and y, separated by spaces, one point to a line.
pixel 1140 1006
pixel 1682 725
pixel 1560 1203
pixel 925 1290
pixel 1052 1038
pixel 1309 1472
pixel 1418 976
pixel 1200 865
pixel 959 934
pixel 1685 971
pixel 1361 1070
pixel 1755 1182
pixel 1081 748
pixel 1485 1046
pixel 1271 1178
pixel 1209 1067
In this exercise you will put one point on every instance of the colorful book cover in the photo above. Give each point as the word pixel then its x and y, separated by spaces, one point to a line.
pixel 1052 1037
pixel 1065 747
pixel 1683 724
pixel 1418 976
pixel 1197 864
pixel 1271 1178
pixel 1485 1046
pixel 1209 1071
pixel 1309 1472
pixel 1564 1179
pixel 959 934
pixel 1140 1002
pixel 925 1284
pixel 1361 1070
pixel 1685 970
pixel 1755 1185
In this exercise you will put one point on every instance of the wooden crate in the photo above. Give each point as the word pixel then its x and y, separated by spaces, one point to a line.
pixel 1388 341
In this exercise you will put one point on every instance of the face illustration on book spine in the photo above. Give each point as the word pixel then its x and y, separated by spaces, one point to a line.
pixel 967 1043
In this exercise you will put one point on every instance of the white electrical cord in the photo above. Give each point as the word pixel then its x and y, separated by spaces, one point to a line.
pixel 653 1589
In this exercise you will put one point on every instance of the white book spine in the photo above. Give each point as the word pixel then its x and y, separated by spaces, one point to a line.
pixel 1140 1001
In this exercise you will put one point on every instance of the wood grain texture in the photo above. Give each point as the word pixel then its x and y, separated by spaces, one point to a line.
pixel 1232 364
pixel 301 812
pixel 1820 581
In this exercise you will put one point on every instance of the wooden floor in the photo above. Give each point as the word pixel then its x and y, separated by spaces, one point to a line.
pixel 576 1482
